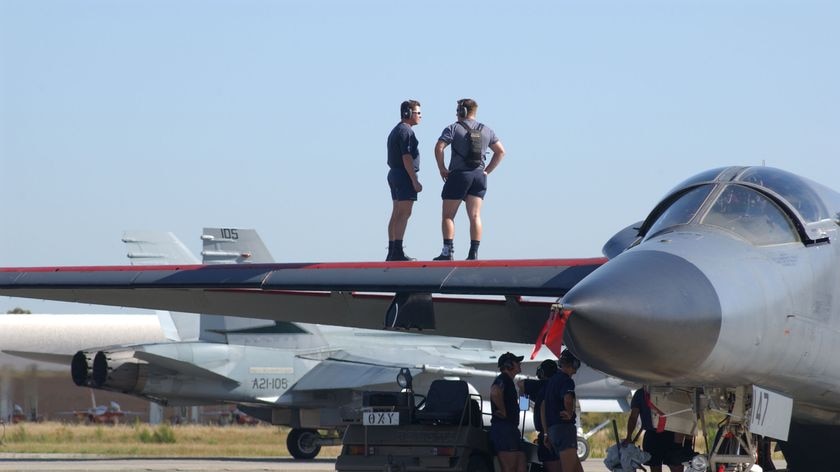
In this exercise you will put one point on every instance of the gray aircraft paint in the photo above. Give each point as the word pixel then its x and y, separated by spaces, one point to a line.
pixel 304 377
pixel 778 322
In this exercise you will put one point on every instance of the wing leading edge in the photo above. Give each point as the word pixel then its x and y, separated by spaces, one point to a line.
pixel 326 293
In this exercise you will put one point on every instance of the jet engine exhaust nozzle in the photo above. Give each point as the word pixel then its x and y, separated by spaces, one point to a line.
pixel 80 368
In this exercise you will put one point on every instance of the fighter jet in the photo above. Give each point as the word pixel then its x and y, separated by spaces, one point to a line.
pixel 101 414
pixel 722 298
pixel 304 376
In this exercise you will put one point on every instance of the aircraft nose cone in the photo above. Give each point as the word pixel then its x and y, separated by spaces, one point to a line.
pixel 644 316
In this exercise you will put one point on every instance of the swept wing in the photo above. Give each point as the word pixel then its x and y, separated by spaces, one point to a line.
pixel 346 294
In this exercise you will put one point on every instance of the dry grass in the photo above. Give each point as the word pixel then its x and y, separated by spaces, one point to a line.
pixel 141 439
pixel 146 440
pixel 183 440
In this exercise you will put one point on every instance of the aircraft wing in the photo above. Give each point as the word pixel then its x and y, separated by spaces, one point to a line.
pixel 325 293
pixel 347 370
pixel 362 367
pixel 63 359
pixel 331 374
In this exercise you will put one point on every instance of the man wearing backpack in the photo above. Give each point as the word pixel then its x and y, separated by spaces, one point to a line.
pixel 466 177
pixel 403 164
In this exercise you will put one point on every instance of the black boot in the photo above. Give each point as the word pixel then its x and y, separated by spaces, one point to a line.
pixel 398 254
pixel 447 253
pixel 473 254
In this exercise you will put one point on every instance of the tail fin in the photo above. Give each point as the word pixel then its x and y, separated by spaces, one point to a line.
pixel 159 247
pixel 233 245
pixel 156 247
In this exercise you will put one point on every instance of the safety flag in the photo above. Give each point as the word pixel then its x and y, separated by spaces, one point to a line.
pixel 660 422
pixel 551 333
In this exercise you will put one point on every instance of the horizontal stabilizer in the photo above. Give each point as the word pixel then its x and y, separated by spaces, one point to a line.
pixel 184 368
pixel 63 359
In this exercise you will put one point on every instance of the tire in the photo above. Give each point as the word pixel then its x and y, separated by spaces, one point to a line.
pixel 478 463
pixel 582 448
pixel 301 443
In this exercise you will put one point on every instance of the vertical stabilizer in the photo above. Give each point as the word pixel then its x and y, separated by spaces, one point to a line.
pixel 231 246
pixel 158 247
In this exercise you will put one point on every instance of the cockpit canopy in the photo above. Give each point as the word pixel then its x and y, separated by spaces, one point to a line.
pixel 762 205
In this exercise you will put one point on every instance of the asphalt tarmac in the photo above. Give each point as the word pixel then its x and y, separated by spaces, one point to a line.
pixel 67 462
pixel 78 462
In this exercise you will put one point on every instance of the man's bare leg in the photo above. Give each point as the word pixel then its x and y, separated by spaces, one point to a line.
pixel 512 461
pixel 474 213
pixel 400 213
pixel 447 226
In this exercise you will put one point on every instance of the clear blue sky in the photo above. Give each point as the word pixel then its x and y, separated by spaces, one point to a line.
pixel 174 115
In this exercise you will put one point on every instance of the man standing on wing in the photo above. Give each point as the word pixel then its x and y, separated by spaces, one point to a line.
pixel 403 163
pixel 466 177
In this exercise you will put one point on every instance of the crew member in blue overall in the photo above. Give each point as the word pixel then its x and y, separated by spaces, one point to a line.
pixel 504 424
pixel 558 413
pixel 535 389
pixel 404 163
pixel 466 177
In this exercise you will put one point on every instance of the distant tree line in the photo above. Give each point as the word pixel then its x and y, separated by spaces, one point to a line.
pixel 18 311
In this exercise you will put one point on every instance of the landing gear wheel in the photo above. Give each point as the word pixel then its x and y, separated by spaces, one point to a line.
pixel 302 443
pixel 582 448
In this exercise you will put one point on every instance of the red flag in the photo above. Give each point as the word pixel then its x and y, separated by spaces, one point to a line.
pixel 552 332
pixel 541 337
pixel 554 337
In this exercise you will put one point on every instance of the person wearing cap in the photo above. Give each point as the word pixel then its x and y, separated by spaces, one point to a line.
pixel 504 422
pixel 535 389
pixel 558 413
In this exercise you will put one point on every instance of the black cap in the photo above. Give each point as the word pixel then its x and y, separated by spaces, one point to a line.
pixel 547 368
pixel 509 357
pixel 567 358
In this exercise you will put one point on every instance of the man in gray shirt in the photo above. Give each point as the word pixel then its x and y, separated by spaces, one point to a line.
pixel 466 177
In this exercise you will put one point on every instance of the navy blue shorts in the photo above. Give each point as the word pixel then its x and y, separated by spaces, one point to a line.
pixel 505 437
pixel 544 453
pixel 461 183
pixel 401 187
pixel 662 448
pixel 563 436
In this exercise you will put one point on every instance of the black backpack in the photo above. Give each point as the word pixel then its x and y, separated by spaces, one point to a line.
pixel 475 151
